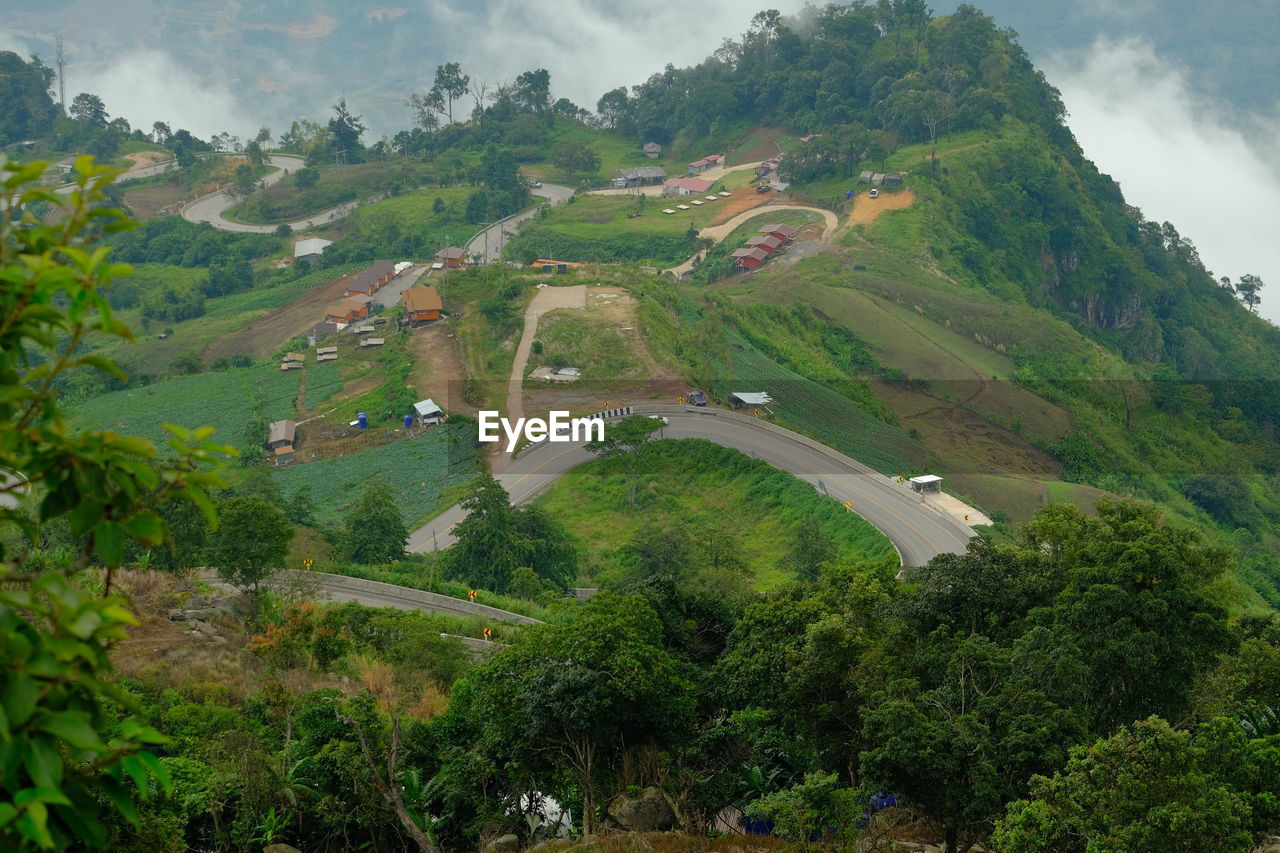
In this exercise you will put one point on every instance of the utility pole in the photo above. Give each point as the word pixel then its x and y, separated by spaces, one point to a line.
pixel 62 83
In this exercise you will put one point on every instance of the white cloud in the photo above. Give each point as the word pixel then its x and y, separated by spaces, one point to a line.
pixel 589 47
pixel 148 86
pixel 1179 158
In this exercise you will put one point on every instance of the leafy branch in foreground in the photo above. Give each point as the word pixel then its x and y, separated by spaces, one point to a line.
pixel 71 741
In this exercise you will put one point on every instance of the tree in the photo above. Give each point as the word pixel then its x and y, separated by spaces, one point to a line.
pixel 495 539
pixel 613 107
pixel 575 698
pixel 625 441
pixel 375 530
pixel 1249 289
pixel 452 84
pixel 306 177
pixel 571 157
pixel 1144 790
pixel 244 181
pixel 301 509
pixel 61 707
pixel 427 108
pixel 24 90
pixel 1133 611
pixel 251 541
pixel 811 548
pixel 89 109
pixel 345 129
pixel 533 90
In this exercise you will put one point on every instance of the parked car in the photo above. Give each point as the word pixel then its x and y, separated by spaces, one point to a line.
pixel 763 188
pixel 696 397
pixel 875 193
pixel 537 185
pixel 664 420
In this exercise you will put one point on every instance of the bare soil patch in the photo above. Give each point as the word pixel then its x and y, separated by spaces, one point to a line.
pixel 146 202
pixel 867 209
pixel 965 438
pixel 145 158
pixel 765 148
pixel 263 336
pixel 740 200
pixel 438 371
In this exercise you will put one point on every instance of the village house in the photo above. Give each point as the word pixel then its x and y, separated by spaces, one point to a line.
pixel 652 150
pixel 428 412
pixel 784 233
pixel 451 256
pixel 281 433
pixel 767 242
pixel 639 176
pixel 687 186
pixel 750 258
pixel 345 311
pixel 700 166
pixel 421 304
pixel 749 399
pixel 310 246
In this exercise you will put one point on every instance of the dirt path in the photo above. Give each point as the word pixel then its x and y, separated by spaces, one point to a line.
pixel 546 299
pixel 719 232
pixel 438 372
pixel 867 209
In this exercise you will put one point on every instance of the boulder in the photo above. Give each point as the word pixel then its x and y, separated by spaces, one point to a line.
pixel 503 844
pixel 647 811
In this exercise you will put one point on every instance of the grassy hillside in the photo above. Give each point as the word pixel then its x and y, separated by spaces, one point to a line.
pixel 722 498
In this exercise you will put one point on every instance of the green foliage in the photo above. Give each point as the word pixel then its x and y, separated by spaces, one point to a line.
pixel 375 530
pixel 417 471
pixel 496 539
pixel 573 699
pixel 814 806
pixel 251 543
pixel 74 742
pixel 1139 789
pixel 704 509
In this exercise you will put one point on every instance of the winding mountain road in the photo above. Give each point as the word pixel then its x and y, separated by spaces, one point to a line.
pixel 212 208
pixel 917 530
pixel 489 243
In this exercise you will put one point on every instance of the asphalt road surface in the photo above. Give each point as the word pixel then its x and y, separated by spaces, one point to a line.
pixel 488 244
pixel 919 532
pixel 211 208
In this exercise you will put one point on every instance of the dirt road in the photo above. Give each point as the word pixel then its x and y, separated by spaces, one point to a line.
pixel 546 299
pixel 867 209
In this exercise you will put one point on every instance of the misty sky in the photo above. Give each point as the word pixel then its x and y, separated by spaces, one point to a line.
pixel 1178 157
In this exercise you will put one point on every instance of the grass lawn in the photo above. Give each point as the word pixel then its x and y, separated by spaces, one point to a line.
pixel 574 338
pixel 415 214
pixel 614 150
pixel 705 487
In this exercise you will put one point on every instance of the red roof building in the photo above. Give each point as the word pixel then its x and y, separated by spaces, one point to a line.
pixel 687 186
pixel 749 258
pixel 768 243
pixel 785 233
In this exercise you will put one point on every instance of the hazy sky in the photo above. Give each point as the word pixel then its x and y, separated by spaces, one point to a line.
pixel 1177 156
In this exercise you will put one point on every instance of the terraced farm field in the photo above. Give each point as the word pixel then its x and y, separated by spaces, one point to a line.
pixel 417 471
pixel 225 400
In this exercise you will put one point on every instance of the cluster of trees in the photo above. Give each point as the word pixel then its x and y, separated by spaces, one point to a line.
pixel 872 74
